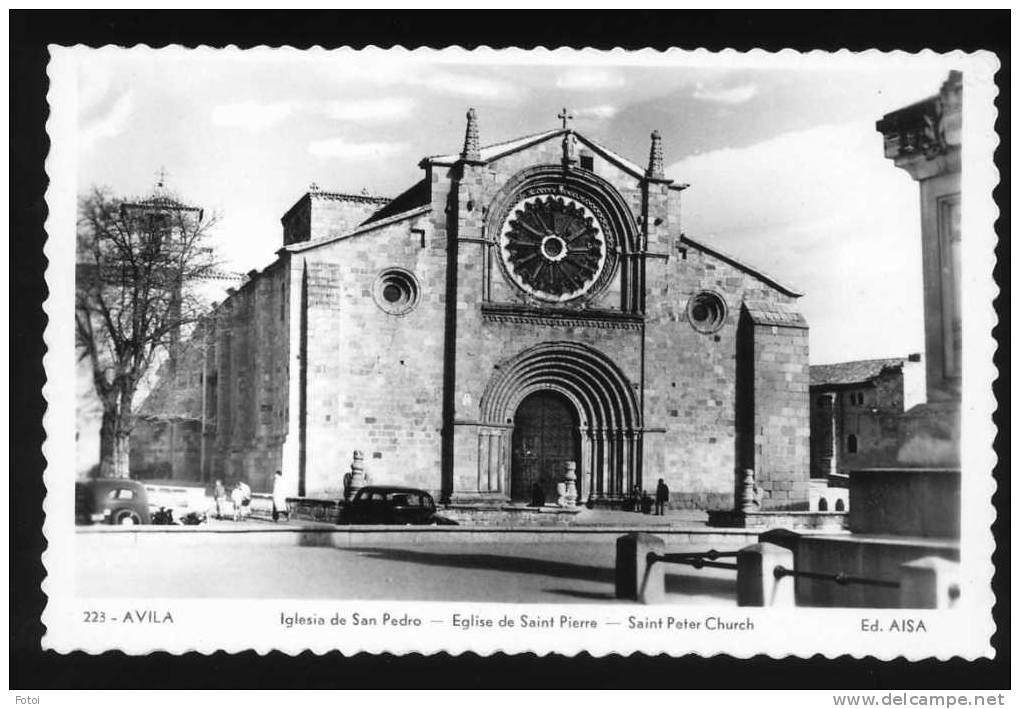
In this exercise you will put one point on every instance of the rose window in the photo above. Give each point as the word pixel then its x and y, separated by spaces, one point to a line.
pixel 553 247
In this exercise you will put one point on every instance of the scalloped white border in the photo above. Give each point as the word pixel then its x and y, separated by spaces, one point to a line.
pixel 802 632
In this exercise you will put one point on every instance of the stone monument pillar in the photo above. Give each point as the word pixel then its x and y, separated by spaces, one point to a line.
pixel 748 501
pixel 356 479
pixel 569 497
pixel 924 139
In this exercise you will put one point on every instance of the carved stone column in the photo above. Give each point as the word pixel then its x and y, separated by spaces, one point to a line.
pixel 483 459
pixel 627 445
pixel 494 439
pixel 599 463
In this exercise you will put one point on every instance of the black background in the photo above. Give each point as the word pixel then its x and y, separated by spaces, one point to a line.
pixel 31 31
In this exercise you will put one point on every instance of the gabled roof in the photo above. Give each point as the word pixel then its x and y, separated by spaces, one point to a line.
pixel 359 230
pixel 737 263
pixel 335 197
pixel 160 199
pixel 498 150
pixel 417 195
pixel 856 372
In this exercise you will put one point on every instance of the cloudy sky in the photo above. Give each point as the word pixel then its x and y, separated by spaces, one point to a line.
pixel 785 165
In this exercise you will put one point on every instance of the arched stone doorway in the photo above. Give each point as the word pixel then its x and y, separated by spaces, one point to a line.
pixel 608 418
pixel 545 436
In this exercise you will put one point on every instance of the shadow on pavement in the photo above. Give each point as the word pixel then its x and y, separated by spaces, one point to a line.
pixel 587 595
pixel 493 562
pixel 722 588
pixel 687 584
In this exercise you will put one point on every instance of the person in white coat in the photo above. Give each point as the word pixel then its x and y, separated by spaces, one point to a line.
pixel 279 497
pixel 237 498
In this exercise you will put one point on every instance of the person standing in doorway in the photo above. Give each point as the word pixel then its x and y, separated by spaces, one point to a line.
pixel 661 497
pixel 279 497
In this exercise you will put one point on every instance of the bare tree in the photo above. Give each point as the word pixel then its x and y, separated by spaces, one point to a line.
pixel 137 267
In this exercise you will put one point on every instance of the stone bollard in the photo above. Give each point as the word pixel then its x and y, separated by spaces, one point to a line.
pixel 569 498
pixel 636 579
pixel 929 582
pixel 357 476
pixel 756 581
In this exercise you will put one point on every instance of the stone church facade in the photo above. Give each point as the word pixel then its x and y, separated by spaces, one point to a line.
pixel 526 304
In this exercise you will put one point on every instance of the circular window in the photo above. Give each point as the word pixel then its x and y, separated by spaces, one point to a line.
pixel 553 247
pixel 706 311
pixel 396 291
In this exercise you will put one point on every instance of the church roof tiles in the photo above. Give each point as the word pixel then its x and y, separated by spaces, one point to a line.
pixel 856 372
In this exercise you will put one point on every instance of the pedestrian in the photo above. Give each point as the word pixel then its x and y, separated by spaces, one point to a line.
pixel 537 495
pixel 245 499
pixel 237 498
pixel 279 497
pixel 661 497
pixel 220 497
pixel 635 498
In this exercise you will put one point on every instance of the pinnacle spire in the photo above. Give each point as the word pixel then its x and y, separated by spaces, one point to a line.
pixel 656 171
pixel 471 150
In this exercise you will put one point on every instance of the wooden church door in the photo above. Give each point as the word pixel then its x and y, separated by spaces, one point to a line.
pixel 545 437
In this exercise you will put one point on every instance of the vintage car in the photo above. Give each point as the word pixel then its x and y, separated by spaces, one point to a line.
pixel 376 504
pixel 111 501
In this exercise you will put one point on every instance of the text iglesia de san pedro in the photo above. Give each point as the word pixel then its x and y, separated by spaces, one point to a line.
pixel 526 305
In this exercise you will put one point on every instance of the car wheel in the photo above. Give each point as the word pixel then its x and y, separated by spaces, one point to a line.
pixel 127 517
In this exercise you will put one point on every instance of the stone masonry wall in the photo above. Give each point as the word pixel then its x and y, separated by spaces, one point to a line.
pixel 249 370
pixel 166 449
pixel 685 378
pixel 321 215
pixel 374 379
pixel 781 416
pixel 307 355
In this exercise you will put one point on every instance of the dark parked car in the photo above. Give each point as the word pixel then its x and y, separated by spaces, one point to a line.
pixel 376 504
pixel 111 501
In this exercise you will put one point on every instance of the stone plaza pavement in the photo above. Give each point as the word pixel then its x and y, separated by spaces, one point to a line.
pixel 263 560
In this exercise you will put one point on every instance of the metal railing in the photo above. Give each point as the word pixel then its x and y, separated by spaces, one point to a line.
pixel 697 559
pixel 840 578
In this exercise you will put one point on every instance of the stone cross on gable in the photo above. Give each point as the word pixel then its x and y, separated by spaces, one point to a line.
pixel 564 116
pixel 161 177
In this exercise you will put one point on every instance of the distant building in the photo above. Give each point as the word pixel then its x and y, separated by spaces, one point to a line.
pixel 855 407
pixel 159 212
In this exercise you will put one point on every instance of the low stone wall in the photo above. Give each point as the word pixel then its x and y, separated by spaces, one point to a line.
pixel 877 558
pixel 778 519
pixel 314 510
pixel 509 515
pixel 298 508
pixel 921 502
pixel 328 511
